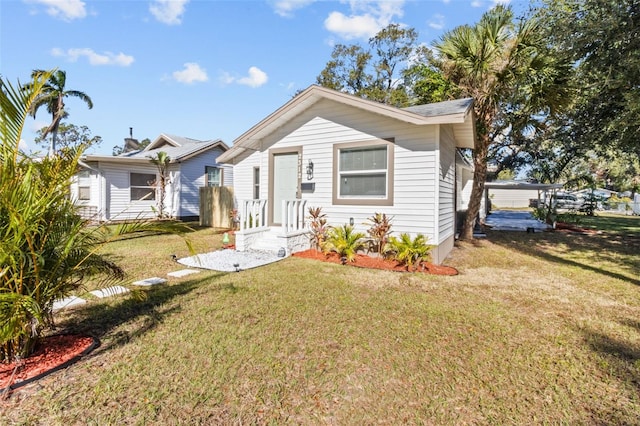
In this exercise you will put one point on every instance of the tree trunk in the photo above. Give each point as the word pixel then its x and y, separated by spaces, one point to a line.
pixel 477 190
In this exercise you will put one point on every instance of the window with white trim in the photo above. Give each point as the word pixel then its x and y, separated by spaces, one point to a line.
pixel 363 173
pixel 214 175
pixel 84 185
pixel 142 186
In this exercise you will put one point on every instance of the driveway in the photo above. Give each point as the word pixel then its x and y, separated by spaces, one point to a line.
pixel 507 220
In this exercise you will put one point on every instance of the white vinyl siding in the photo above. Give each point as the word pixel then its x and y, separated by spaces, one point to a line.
pixel 446 190
pixel 193 176
pixel 318 129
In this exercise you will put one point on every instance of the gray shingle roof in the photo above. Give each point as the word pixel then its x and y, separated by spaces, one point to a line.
pixel 187 148
pixel 441 108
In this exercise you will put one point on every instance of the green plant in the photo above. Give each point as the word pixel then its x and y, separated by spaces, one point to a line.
pixel 344 241
pixel 161 160
pixel 379 230
pixel 47 250
pixel 409 251
pixel 318 226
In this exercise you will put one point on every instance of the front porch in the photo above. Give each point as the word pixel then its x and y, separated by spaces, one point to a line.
pixel 255 232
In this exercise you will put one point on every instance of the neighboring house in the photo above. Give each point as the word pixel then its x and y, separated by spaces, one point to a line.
pixel 518 194
pixel 125 187
pixel 352 157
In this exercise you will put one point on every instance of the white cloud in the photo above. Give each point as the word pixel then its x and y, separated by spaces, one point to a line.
pixel 255 78
pixel 94 58
pixel 366 18
pixel 436 22
pixel 285 8
pixel 22 145
pixel 168 11
pixel 67 10
pixel 192 73
pixel 476 3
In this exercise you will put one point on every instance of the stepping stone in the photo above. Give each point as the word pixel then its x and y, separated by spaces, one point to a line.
pixel 182 273
pixel 109 291
pixel 68 302
pixel 150 281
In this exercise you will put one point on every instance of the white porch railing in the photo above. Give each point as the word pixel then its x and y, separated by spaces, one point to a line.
pixel 293 215
pixel 253 214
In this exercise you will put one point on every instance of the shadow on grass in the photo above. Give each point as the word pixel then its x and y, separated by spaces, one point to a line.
pixel 144 313
pixel 602 247
pixel 620 358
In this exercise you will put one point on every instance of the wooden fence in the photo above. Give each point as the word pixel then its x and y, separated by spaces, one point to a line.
pixel 216 205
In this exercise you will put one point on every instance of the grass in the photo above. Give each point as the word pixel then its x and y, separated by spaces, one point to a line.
pixel 536 328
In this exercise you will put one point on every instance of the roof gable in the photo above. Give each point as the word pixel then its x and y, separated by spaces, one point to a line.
pixel 177 148
pixel 458 112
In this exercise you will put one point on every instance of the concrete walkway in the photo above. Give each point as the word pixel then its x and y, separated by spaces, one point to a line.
pixel 506 220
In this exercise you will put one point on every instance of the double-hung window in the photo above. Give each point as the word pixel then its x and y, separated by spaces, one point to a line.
pixel 84 185
pixel 363 173
pixel 214 176
pixel 143 186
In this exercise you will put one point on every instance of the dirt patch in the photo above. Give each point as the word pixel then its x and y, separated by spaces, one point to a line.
pixel 364 261
pixel 53 352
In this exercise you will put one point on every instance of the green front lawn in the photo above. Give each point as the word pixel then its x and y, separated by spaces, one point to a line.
pixel 536 328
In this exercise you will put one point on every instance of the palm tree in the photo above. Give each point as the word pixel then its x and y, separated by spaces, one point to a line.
pixel 52 96
pixel 47 250
pixel 514 78
pixel 161 161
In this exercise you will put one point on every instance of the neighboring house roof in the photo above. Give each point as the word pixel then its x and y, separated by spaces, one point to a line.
pixel 177 148
pixel 518 184
pixel 459 113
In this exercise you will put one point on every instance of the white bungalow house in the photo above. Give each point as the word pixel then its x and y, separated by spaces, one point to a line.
pixel 125 187
pixel 353 158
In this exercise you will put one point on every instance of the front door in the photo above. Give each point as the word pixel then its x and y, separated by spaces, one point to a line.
pixel 284 183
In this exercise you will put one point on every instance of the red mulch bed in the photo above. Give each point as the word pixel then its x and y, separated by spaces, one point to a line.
pixel 370 262
pixel 52 353
pixel 568 227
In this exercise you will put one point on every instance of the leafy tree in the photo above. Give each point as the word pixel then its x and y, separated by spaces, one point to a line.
pixel 46 250
pixel 601 37
pixel 69 136
pixel 161 160
pixel 374 72
pixel 52 96
pixel 516 81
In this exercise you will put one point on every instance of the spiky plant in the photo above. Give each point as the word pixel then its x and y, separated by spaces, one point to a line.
pixel 318 227
pixel 409 251
pixel 46 249
pixel 344 241
pixel 379 230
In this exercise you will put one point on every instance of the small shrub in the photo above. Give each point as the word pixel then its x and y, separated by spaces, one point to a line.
pixel 409 251
pixel 318 226
pixel 344 241
pixel 379 230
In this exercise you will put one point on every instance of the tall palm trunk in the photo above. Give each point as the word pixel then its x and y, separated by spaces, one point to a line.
pixel 477 189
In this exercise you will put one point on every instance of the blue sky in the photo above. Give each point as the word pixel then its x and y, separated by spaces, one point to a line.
pixel 203 69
